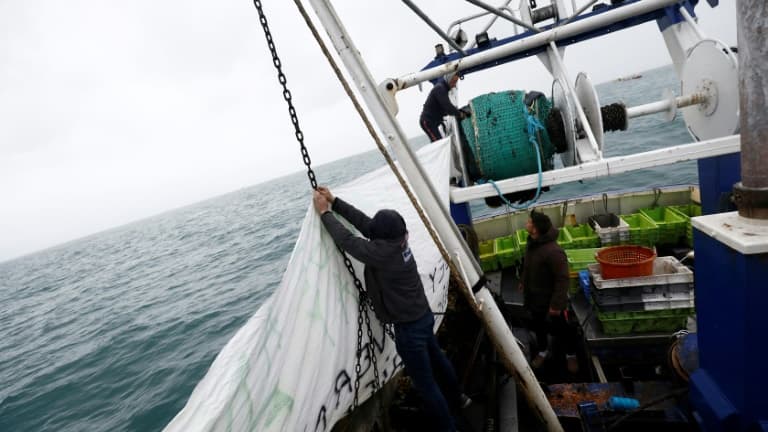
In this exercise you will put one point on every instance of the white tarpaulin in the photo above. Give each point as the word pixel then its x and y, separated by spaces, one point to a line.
pixel 291 367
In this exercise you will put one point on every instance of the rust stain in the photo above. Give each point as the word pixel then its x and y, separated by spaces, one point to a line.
pixel 565 399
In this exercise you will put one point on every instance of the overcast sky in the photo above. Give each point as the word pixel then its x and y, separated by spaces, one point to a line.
pixel 112 111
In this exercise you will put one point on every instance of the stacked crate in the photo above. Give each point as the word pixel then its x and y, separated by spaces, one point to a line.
pixel 564 239
pixel 578 260
pixel 583 236
pixel 642 230
pixel 522 239
pixel 671 224
pixel 507 251
pixel 687 212
pixel 488 259
pixel 611 229
pixel 661 302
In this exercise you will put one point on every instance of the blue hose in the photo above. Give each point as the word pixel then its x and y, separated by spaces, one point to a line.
pixel 532 124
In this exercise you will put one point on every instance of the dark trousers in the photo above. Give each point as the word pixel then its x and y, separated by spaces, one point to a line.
pixel 425 363
pixel 432 129
pixel 543 325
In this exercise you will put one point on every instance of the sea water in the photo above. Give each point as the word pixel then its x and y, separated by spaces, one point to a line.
pixel 113 331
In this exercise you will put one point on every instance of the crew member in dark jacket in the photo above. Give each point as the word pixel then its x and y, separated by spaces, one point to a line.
pixel 437 106
pixel 393 283
pixel 545 287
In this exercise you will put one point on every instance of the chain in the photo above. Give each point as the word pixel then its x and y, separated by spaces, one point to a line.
pixel 360 313
pixel 286 94
pixel 365 303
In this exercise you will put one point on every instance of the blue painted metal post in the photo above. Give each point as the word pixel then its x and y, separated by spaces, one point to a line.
pixel 729 388
pixel 461 214
pixel 728 391
pixel 717 176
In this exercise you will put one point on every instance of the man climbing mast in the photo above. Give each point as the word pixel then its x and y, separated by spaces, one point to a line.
pixel 439 105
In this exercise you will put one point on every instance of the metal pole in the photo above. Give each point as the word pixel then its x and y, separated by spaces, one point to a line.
pixel 691 22
pixel 490 23
pixel 666 105
pixel 751 194
pixel 449 234
pixel 602 168
pixel 578 12
pixel 434 26
pixel 535 41
pixel 501 14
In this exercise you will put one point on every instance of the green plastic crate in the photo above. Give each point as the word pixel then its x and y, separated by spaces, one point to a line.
pixel 573 283
pixel 579 259
pixel 564 239
pixel 642 230
pixel 522 239
pixel 666 320
pixel 671 224
pixel 488 258
pixel 688 211
pixel 583 236
pixel 507 251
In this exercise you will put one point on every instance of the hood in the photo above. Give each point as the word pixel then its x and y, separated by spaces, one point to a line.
pixel 547 237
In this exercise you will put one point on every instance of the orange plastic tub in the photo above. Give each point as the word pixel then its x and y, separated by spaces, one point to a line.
pixel 625 261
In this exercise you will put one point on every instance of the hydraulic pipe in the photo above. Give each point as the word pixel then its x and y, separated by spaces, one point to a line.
pixel 751 194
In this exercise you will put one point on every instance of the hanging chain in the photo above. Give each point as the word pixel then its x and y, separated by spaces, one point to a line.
pixel 365 302
pixel 360 312
pixel 286 94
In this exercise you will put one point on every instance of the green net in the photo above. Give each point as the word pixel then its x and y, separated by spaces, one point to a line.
pixel 497 135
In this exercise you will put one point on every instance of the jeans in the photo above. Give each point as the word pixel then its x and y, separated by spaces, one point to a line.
pixel 425 363
pixel 544 324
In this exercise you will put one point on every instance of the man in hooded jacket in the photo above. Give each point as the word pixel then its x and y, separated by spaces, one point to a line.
pixel 439 105
pixel 394 286
pixel 545 288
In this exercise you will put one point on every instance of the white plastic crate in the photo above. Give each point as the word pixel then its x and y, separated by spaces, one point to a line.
pixel 613 235
pixel 666 271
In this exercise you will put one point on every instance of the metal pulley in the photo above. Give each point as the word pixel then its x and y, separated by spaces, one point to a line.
pixel 712 70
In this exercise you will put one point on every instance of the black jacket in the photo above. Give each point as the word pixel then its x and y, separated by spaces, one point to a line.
pixel 391 276
pixel 545 273
pixel 438 104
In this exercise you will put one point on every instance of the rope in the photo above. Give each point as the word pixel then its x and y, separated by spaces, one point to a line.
pixel 364 117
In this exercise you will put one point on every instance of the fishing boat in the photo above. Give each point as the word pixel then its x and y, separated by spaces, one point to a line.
pixel 655 352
